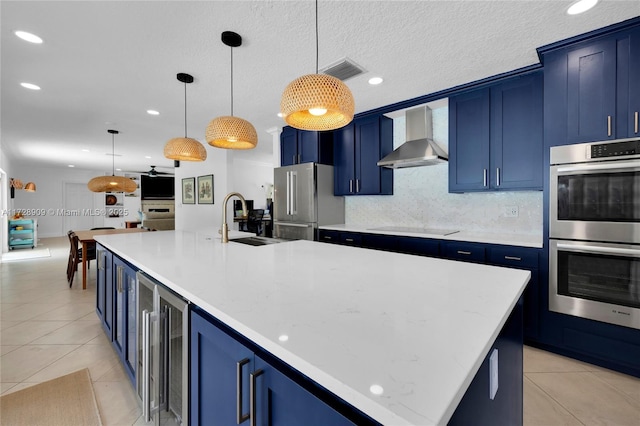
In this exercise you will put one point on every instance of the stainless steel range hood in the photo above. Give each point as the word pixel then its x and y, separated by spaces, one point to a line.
pixel 419 149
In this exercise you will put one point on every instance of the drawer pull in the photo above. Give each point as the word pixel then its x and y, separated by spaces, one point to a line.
pixel 513 258
pixel 350 240
pixel 635 117
pixel 466 253
pixel 326 237
pixel 608 125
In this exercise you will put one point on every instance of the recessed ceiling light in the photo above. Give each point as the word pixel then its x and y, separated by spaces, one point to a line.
pixel 147 156
pixel 71 165
pixel 580 6
pixel 85 150
pixel 283 338
pixel 119 170
pixel 375 80
pixel 280 114
pixel 31 38
pixel 152 112
pixel 30 86
pixel 376 389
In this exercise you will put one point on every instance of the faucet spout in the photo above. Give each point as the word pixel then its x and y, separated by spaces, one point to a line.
pixel 225 228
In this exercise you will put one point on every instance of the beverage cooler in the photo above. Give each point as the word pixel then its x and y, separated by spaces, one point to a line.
pixel 163 345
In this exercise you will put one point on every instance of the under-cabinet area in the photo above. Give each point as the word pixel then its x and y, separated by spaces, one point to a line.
pixel 258 326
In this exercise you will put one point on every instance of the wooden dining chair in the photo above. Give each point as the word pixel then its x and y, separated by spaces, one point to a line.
pixel 75 256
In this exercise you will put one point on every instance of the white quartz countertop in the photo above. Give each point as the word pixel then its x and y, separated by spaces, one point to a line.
pixel 522 240
pixel 418 327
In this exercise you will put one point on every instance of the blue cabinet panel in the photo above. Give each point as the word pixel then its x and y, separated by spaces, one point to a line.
pixel 591 91
pixel 357 149
pixel 419 246
pixel 329 236
pixel 470 252
pixel 104 289
pixel 469 141
pixel 282 402
pixel 633 110
pixel 214 364
pixel 302 146
pixel 516 133
pixel 380 242
pixel 124 308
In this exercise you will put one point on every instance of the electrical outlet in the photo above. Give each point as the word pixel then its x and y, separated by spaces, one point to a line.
pixel 511 211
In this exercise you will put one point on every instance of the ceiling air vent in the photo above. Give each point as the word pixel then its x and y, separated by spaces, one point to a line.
pixel 343 69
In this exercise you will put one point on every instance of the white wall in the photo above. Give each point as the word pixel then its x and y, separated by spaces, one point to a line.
pixel 421 198
pixel 251 178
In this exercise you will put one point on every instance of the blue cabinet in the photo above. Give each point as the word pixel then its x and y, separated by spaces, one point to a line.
pixel 104 289
pixel 591 89
pixel 496 136
pixel 222 371
pixel 468 252
pixel 302 146
pixel 124 308
pixel 357 149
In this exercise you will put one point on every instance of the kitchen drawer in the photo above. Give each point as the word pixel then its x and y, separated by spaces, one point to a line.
pixel 329 236
pixel 351 239
pixel 380 242
pixel 515 257
pixel 471 252
pixel 419 246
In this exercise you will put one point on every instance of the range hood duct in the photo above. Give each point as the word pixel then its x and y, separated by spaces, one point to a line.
pixel 419 149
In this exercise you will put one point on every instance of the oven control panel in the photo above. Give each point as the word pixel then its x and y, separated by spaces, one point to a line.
pixel 615 149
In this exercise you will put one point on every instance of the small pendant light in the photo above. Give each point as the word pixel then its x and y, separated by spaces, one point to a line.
pixel 30 187
pixel 112 183
pixel 317 101
pixel 231 132
pixel 185 149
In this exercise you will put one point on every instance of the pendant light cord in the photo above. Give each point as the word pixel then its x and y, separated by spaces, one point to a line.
pixel 232 81
pixel 317 37
pixel 185 109
pixel 113 155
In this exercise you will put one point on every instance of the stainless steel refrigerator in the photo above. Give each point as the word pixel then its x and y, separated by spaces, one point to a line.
pixel 303 200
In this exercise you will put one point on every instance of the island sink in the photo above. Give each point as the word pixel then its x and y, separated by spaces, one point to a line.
pixel 258 241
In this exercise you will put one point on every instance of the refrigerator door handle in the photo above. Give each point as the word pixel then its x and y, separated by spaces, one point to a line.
pixel 294 193
pixel 295 225
pixel 288 192
pixel 146 376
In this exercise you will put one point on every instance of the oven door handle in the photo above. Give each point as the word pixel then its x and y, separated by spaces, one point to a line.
pixel 618 166
pixel 599 249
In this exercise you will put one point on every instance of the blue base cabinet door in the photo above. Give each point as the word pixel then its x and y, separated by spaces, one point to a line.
pixel 220 368
pixel 104 289
pixel 279 401
pixel 124 307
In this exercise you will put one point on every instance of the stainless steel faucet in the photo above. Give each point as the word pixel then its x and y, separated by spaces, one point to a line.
pixel 225 228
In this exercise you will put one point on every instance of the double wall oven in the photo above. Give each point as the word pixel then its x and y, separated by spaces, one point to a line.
pixel 594 231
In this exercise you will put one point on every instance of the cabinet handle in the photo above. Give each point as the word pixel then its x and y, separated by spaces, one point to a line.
pixel 513 258
pixel 357 185
pixel 146 358
pixel 635 119
pixel 293 160
pixel 326 237
pixel 240 417
pixel 119 277
pixel 484 177
pixel 350 185
pixel 298 158
pixel 349 240
pixel 608 125
pixel 466 253
pixel 252 395
pixel 497 176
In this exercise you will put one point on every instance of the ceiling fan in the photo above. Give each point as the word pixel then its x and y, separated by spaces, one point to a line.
pixel 154 172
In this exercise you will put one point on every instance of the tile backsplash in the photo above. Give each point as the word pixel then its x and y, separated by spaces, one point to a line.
pixel 421 198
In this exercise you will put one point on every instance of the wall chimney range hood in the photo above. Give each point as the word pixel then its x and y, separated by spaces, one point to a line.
pixel 419 149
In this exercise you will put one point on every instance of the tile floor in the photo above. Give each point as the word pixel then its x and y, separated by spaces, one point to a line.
pixel 47 330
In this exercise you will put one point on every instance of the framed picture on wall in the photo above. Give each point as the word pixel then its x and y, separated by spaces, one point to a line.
pixel 205 189
pixel 189 191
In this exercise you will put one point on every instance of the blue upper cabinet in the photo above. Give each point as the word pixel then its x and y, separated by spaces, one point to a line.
pixel 301 146
pixel 591 88
pixel 357 149
pixel 496 136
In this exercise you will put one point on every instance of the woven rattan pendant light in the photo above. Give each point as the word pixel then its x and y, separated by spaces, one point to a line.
pixel 317 101
pixel 185 149
pixel 227 131
pixel 112 183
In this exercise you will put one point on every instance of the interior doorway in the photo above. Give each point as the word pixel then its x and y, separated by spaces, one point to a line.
pixel 78 198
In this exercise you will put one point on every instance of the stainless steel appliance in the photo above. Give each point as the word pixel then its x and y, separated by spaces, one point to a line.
pixel 163 353
pixel 594 231
pixel 304 200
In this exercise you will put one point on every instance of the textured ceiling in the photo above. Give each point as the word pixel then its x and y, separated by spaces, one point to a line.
pixel 104 63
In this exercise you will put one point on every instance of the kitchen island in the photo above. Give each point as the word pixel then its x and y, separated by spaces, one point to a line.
pixel 398 337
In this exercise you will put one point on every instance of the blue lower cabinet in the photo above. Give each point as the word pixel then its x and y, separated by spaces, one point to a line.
pixel 104 289
pixel 469 252
pixel 479 406
pixel 329 236
pixel 124 309
pixel 379 242
pixel 282 402
pixel 418 246
pixel 225 371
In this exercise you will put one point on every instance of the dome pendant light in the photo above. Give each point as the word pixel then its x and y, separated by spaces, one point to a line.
pixel 317 101
pixel 185 149
pixel 227 131
pixel 112 183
